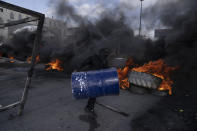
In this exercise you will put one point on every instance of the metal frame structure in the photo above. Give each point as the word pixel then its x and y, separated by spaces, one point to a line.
pixel 35 17
pixel 140 27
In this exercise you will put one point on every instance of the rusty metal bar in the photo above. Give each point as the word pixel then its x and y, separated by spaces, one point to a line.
pixel 17 22
pixel 33 62
pixel 10 106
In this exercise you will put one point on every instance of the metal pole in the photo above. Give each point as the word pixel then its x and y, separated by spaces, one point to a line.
pixel 10 106
pixel 17 22
pixel 140 19
pixel 33 62
pixel 41 18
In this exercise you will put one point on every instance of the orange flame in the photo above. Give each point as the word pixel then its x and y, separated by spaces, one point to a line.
pixel 11 57
pixel 122 74
pixel 157 68
pixel 160 69
pixel 29 59
pixel 55 65
pixel 37 59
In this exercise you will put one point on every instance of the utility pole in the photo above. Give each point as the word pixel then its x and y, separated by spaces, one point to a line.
pixel 140 18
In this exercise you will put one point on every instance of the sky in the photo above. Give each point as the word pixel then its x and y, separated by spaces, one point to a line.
pixel 84 7
pixel 36 5
pixel 89 8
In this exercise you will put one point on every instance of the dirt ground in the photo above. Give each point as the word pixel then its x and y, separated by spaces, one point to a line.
pixel 51 106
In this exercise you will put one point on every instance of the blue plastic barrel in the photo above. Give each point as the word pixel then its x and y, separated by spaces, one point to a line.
pixel 95 83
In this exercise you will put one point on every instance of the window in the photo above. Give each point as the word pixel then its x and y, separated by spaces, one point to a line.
pixel 19 16
pixel 11 15
pixel 1 20
pixel 1 9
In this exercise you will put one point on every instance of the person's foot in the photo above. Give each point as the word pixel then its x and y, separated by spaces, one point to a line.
pixel 90 111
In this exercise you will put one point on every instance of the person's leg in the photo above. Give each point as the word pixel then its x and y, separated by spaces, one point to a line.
pixel 90 104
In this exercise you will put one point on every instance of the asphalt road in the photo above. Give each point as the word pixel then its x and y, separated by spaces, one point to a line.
pixel 51 106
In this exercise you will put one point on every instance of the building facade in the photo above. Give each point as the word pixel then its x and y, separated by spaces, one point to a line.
pixel 53 29
pixel 6 16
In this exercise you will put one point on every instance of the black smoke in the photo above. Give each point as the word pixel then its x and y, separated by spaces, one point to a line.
pixel 112 30
pixel 181 43
pixel 19 45
pixel 180 49
pixel 66 12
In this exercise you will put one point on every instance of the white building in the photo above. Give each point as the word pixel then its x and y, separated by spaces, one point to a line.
pixel 7 15
pixel 64 34
pixel 52 27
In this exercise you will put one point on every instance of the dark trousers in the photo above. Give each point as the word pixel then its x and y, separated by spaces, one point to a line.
pixel 91 103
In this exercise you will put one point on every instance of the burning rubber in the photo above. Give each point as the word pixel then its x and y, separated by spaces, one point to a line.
pixel 144 80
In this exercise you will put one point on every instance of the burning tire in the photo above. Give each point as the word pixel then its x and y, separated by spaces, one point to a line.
pixel 144 80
